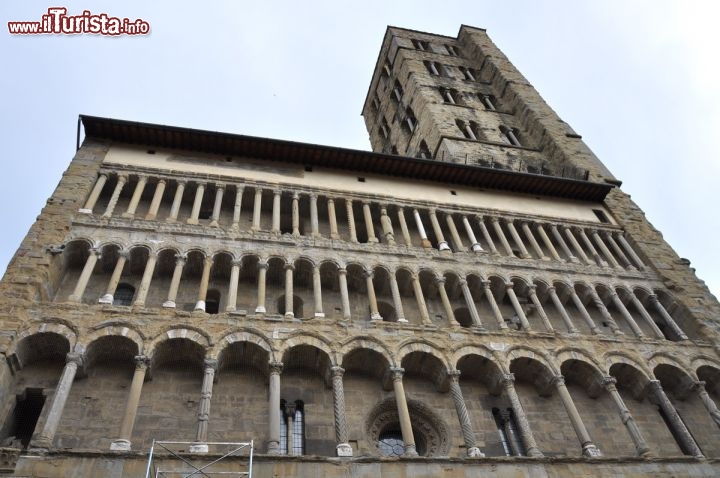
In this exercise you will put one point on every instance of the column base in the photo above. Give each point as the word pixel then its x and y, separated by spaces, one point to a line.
pixel 591 451
pixel 426 244
pixel 375 317
pixel 200 305
pixel 150 217
pixel 374 240
pixel 127 215
pixel 230 308
pixel 120 445
pixel 319 315
pixel 535 453
pixel 289 315
pixel 273 448
pixel 106 299
pixel 214 224
pixel 170 220
pixel 192 221
pixel 410 450
pixel 85 211
pixel 260 309
pixel 40 444
pixel 477 247
pixel 198 448
pixel 169 304
pixel 474 452
pixel 344 449
pixel 403 321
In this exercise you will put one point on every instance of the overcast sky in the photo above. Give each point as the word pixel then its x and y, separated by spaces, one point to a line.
pixel 637 79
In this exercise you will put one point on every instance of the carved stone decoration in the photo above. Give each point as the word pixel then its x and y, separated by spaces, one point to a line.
pixel 428 428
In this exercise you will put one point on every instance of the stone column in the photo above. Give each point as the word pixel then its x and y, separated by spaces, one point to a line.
pixel 459 246
pixel 421 230
pixel 533 242
pixel 626 315
pixel 487 236
pixel 588 447
pixel 177 201
pixel 372 299
pixel 135 199
pixel 273 447
pixel 561 310
pixel 317 292
pixel 687 442
pixel 296 214
pixel 257 209
pixel 180 260
pixel 538 306
pixel 471 448
pixel 343 447
pixel 403 412
pixel 109 295
pixel 233 286
pixel 369 228
pixel 475 245
pixel 501 235
pixel 204 281
pixel 123 443
pixel 493 304
pixel 93 256
pixel 200 445
pixel 122 179
pixel 508 382
pixel 332 218
pixel 516 306
pixel 518 240
pixel 649 320
pixel 514 442
pixel 195 212
pixel 94 194
pixel 351 220
pixel 669 321
pixel 584 313
pixel 262 273
pixel 386 223
pixel 314 222
pixel 344 299
pixel 548 243
pixel 559 239
pixel 146 278
pixel 631 252
pixel 44 439
pixel 709 403
pixel 237 209
pixel 420 298
pixel 600 305
pixel 641 446
pixel 219 193
pixel 289 307
pixel 397 301
pixel 470 302
pixel 156 200
pixel 618 251
pixel 442 243
pixel 586 240
pixel 606 252
pixel 276 212
pixel 403 226
pixel 576 245
pixel 440 283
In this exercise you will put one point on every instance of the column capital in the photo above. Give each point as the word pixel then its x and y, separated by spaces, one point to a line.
pixel 453 375
pixel 236 263
pixel 125 253
pixel 275 368
pixel 289 266
pixel 181 182
pixel 95 251
pixel 211 363
pixel 609 382
pixel 220 186
pixel 162 181
pixel 330 199
pixel 653 298
pixel 152 254
pixel 337 371
pixel 551 289
pixel 494 219
pixel 507 379
pixel 262 264
pixel 240 187
pixel 313 195
pixel 532 288
pixel 462 282
pixel 698 385
pixel 296 195
pixel 369 273
pixel 277 192
pixel 180 259
pixel 655 386
pixel 439 280
pixel 76 358
pixel 397 373
pixel 558 380
pixel 142 362
pixel 485 283
pixel 342 271
pixel 209 260
pixel 509 285
pixel 142 176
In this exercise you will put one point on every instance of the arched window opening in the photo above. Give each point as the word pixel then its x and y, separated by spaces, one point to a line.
pixel 124 294
pixel 507 430
pixel 292 427
pixel 28 407
pixel 212 301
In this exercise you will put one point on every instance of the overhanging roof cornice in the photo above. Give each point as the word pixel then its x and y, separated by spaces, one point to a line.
pixel 211 142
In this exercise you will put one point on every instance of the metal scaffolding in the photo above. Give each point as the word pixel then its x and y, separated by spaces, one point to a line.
pixel 180 459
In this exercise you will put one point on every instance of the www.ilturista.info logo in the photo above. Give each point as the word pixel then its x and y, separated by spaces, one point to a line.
pixel 58 22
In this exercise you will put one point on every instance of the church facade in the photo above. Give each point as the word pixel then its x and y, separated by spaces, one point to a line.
pixel 476 295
